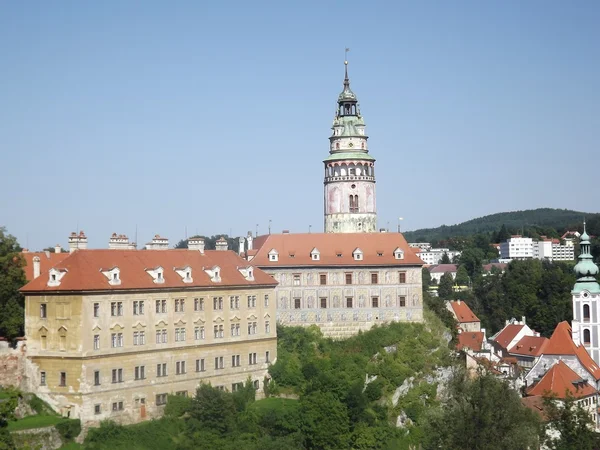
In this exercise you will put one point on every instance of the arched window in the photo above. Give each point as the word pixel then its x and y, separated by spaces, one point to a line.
pixel 337 145
pixel 586 313
pixel 586 336
pixel 353 203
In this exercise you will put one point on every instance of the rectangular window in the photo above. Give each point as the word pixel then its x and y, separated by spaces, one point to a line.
pixel 256 384
pixel 297 303
pixel 323 279
pixel 140 372
pixel 161 370
pixel 200 365
pixel 348 278
pixel 138 307
pixel 43 342
pixel 180 305
pixel 323 302
pixel 348 302
pixel 163 306
pixel 42 378
pixel 296 279
pixel 235 329
pixel 252 301
pixel 96 309
pixel 266 300
pixel 96 342
pixel 251 328
pixel 198 304
pixel 375 302
pixel 219 331
pixel 97 409
pixel 267 357
pixel 164 336
pixel 219 362
pixel 199 333
pixel 96 378
pixel 157 306
pixel 235 360
pixel 180 368
pixel 401 300
pixel 161 399
pixel 374 278
pixel 218 303
pixel 43 310
pixel 116 340
pixel 236 387
pixel 251 358
pixel 267 327
pixel 179 334
pixel 117 375
pixel 401 277
pixel 63 379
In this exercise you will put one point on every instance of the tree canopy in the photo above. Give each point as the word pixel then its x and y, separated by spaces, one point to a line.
pixel 12 278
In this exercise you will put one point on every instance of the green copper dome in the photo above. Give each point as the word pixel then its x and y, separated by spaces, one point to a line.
pixel 585 270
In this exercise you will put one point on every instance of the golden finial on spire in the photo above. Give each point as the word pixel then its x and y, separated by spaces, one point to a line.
pixel 346 56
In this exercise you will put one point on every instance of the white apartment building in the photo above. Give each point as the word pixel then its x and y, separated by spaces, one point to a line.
pixel 517 247
pixel 423 246
pixel 434 256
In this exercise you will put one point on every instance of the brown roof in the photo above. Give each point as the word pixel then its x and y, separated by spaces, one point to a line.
pixel 443 268
pixel 84 270
pixel 529 346
pixel 559 380
pixel 500 266
pixel 462 312
pixel 47 261
pixel 536 404
pixel 508 334
pixel 469 339
pixel 330 245
pixel 561 343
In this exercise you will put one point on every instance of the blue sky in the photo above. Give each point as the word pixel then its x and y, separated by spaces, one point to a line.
pixel 215 116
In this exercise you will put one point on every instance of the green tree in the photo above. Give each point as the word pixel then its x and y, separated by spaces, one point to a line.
pixel 445 259
pixel 325 422
pixel 12 278
pixel 426 278
pixel 481 413
pixel 573 423
pixel 472 259
pixel 212 409
pixel 445 287
pixel 503 234
pixel 462 276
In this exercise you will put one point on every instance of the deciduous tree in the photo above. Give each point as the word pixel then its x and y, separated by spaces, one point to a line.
pixel 12 278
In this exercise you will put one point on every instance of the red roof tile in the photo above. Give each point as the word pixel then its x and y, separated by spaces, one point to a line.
pixel 561 343
pixel 443 268
pixel 332 244
pixel 462 312
pixel 469 339
pixel 47 261
pixel 84 270
pixel 529 346
pixel 559 380
pixel 508 334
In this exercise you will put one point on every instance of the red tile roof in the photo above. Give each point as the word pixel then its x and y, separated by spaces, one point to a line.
pixel 559 380
pixel 561 343
pixel 84 270
pixel 332 244
pixel 529 346
pixel 500 266
pixel 462 312
pixel 443 268
pixel 508 334
pixel 47 261
pixel 470 339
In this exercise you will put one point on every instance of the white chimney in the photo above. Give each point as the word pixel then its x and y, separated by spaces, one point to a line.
pixel 77 241
pixel 158 243
pixel 196 244
pixel 36 267
pixel 57 249
pixel 120 242
pixel 222 244
pixel 523 320
pixel 249 239
pixel 242 242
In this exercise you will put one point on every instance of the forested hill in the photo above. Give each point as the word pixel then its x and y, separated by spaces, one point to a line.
pixel 542 218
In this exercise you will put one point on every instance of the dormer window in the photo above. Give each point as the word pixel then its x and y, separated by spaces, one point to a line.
pixel 185 273
pixel 315 255
pixel 273 255
pixel 338 254
pixel 399 253
pixel 157 275
pixel 357 254
pixel 113 276
pixel 54 276
pixel 214 274
pixel 247 272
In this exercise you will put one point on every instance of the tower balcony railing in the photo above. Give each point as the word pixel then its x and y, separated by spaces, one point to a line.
pixel 350 178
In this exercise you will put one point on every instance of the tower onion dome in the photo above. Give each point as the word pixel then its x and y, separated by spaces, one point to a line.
pixel 585 269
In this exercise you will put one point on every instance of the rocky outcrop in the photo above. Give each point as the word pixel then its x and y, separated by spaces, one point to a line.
pixel 46 438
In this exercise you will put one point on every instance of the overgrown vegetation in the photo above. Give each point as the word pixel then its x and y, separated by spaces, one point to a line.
pixel 12 278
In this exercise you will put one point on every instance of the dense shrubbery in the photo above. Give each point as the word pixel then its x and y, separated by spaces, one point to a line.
pixel 69 429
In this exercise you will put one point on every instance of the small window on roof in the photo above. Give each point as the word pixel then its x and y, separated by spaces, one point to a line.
pixel 338 254
pixel 379 253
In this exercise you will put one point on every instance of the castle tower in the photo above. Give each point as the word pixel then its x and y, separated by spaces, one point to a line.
pixel 586 300
pixel 349 170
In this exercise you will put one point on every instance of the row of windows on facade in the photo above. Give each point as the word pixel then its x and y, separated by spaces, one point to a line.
pixel 357 254
pixel 349 277
pixel 350 303
pixel 139 337
pixel 161 399
pixel 161 306
pixel 139 372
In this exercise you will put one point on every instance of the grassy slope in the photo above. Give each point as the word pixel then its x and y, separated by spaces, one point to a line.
pixel 543 217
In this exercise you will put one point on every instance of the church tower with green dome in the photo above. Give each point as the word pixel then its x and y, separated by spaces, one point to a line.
pixel 350 205
pixel 586 300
